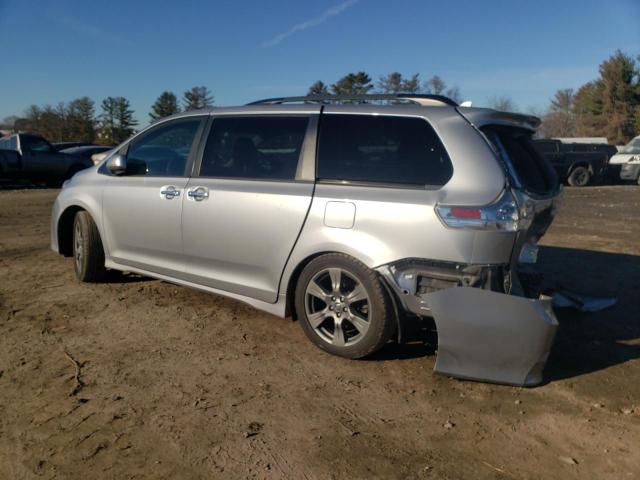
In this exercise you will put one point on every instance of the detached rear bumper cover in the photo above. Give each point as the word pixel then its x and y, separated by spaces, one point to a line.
pixel 490 336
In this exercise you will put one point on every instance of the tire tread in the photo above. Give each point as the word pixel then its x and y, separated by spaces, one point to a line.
pixel 93 269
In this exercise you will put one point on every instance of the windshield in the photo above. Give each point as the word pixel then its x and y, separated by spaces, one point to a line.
pixel 632 147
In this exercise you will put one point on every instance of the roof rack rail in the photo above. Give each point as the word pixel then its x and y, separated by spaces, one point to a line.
pixel 420 99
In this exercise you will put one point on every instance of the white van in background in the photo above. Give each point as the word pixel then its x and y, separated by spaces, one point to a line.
pixel 628 160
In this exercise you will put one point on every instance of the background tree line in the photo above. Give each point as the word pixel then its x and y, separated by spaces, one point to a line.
pixel 608 106
pixel 78 120
pixel 360 83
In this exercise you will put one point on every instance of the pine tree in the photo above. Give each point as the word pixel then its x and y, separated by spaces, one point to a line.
pixel 411 85
pixel 117 122
pixel 353 84
pixel 81 120
pixel 618 76
pixel 391 83
pixel 317 89
pixel 107 132
pixel 587 109
pixel 396 83
pixel 165 105
pixel 197 98
pixel 124 119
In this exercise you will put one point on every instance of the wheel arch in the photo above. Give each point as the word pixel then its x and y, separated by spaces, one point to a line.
pixel 65 229
pixel 292 280
pixel 580 163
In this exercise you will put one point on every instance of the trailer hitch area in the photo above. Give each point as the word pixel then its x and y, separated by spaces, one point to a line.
pixel 490 336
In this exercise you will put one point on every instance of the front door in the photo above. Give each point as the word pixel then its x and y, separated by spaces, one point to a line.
pixel 40 161
pixel 246 205
pixel 142 208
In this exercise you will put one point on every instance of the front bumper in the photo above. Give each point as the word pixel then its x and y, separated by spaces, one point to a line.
pixel 482 334
pixel 630 171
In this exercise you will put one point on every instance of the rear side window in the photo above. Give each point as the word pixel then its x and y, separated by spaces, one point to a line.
pixel 517 150
pixel 35 144
pixel 254 147
pixel 381 149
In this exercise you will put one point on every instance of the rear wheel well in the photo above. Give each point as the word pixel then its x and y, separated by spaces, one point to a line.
pixel 65 230
pixel 587 165
pixel 290 308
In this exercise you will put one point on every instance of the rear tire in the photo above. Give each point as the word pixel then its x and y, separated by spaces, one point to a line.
pixel 579 177
pixel 88 255
pixel 343 306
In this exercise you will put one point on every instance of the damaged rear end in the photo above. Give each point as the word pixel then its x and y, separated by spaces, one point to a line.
pixel 490 327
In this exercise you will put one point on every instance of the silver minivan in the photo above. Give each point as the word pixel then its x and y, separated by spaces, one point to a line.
pixel 357 216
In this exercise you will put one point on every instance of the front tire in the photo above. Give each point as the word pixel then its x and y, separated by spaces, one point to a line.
pixel 579 177
pixel 88 255
pixel 343 307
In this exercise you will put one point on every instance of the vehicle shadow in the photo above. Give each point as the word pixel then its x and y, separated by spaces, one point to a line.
pixel 10 186
pixel 589 342
pixel 116 276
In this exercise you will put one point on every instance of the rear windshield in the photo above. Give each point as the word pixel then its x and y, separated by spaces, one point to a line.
pixel 381 149
pixel 516 149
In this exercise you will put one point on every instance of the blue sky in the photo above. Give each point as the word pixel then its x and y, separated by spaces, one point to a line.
pixel 246 50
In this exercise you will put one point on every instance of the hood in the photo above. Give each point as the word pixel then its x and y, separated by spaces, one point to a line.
pixel 620 158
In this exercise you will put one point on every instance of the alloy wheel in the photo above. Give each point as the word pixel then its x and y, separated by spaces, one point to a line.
pixel 337 306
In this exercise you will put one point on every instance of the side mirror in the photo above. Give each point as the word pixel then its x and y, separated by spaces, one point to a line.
pixel 117 164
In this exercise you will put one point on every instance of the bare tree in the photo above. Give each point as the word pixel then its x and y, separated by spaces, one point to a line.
pixel 560 119
pixel 502 103
pixel 435 85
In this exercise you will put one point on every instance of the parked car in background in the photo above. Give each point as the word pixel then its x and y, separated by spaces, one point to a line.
pixel 352 216
pixel 626 163
pixel 86 152
pixel 578 164
pixel 30 157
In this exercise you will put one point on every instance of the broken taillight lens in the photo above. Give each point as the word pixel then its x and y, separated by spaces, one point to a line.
pixel 501 215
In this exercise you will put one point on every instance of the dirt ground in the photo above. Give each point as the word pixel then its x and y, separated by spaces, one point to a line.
pixel 137 378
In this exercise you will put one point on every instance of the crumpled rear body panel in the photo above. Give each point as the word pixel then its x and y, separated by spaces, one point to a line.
pixel 490 336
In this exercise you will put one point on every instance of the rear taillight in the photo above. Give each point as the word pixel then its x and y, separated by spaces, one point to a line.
pixel 502 215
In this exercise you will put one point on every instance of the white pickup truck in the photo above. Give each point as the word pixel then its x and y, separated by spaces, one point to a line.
pixel 628 161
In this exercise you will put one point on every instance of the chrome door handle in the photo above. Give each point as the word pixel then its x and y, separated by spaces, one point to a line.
pixel 198 193
pixel 169 192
